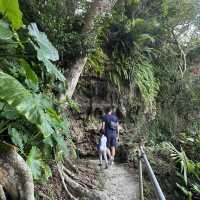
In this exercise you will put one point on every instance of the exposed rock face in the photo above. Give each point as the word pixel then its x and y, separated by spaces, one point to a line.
pixel 93 99
pixel 87 147
pixel 87 135
pixel 94 95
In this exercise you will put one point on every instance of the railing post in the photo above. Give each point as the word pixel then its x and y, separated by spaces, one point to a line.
pixel 152 176
pixel 140 175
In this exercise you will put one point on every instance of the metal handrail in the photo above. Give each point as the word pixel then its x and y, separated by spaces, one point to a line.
pixel 142 157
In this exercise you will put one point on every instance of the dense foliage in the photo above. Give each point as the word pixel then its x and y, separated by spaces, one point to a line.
pixel 28 78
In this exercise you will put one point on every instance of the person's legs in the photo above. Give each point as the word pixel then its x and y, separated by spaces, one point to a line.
pixel 105 158
pixel 113 151
pixel 108 147
pixel 113 147
pixel 100 157
pixel 108 153
pixel 112 155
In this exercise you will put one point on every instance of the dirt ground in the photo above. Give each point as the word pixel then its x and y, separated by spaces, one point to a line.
pixel 119 182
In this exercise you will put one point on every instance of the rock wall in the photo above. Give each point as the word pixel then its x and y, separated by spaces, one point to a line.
pixel 94 95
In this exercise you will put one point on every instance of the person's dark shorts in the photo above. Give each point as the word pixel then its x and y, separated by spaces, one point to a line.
pixel 111 140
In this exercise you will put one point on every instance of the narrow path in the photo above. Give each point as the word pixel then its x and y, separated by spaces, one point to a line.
pixel 120 182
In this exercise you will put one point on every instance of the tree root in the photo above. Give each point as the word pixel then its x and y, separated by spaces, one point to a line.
pixel 68 163
pixel 15 176
pixel 44 196
pixel 76 178
pixel 2 194
pixel 70 196
pixel 73 185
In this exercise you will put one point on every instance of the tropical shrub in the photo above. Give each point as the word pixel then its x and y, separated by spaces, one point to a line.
pixel 28 77
pixel 188 172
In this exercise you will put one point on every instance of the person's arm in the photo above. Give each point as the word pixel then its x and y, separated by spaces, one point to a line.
pixel 103 126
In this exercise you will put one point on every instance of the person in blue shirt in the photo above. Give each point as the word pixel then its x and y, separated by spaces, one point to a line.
pixel 110 126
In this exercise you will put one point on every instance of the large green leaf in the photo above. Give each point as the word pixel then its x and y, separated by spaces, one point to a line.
pixel 62 145
pixel 10 9
pixel 45 49
pixel 30 74
pixel 5 32
pixel 25 103
pixel 34 161
pixel 46 125
pixel 12 91
pixel 9 113
pixel 16 138
pixel 37 165
pixel 51 68
pixel 46 52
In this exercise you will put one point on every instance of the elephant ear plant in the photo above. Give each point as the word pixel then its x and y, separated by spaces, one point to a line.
pixel 28 119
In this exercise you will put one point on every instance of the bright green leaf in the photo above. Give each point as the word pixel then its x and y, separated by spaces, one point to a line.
pixel 25 103
pixel 45 50
pixel 10 9
pixel 16 138
pixel 51 69
pixel 61 143
pixel 34 161
pixel 30 74
pixel 9 113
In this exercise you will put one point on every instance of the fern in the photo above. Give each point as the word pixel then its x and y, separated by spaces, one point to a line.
pixel 96 61
pixel 144 78
pixel 188 169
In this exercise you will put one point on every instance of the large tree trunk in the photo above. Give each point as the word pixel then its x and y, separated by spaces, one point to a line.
pixel 74 75
pixel 97 7
pixel 15 176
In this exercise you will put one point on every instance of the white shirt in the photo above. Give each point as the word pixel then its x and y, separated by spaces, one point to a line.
pixel 103 143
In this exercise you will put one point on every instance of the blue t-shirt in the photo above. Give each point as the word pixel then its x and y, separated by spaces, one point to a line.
pixel 108 119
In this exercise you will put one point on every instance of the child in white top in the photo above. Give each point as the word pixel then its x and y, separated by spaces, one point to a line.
pixel 103 150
